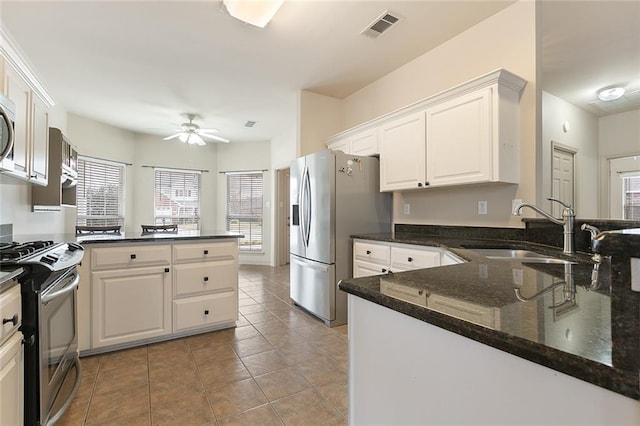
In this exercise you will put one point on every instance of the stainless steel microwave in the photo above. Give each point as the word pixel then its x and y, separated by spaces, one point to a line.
pixel 7 125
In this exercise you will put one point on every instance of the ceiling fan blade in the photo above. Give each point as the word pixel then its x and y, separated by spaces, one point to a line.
pixel 171 137
pixel 209 130
pixel 218 138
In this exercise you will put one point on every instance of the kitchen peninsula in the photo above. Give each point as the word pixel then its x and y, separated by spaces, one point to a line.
pixel 562 346
pixel 138 288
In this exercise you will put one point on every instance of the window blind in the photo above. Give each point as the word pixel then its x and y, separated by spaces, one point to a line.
pixel 631 197
pixel 244 208
pixel 177 198
pixel 100 192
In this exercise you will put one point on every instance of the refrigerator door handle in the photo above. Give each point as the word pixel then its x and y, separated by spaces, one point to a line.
pixel 312 265
pixel 303 207
pixel 307 206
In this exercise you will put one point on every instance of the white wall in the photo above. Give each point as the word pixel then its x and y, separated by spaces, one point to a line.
pixel 618 136
pixel 246 156
pixel 505 40
pixel 583 137
pixel 151 150
pixel 319 117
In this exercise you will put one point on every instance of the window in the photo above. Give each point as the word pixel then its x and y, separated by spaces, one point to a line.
pixel 100 192
pixel 631 194
pixel 244 209
pixel 176 198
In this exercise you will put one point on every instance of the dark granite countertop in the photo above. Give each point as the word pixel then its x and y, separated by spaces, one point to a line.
pixel 130 236
pixel 550 314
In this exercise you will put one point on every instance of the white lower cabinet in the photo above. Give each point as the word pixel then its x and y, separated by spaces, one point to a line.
pixel 11 380
pixel 377 257
pixel 130 305
pixel 136 293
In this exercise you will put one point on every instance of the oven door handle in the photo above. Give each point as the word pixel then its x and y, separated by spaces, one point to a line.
pixel 76 385
pixel 46 298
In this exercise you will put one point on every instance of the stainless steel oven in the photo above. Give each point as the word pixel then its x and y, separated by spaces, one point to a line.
pixel 49 325
pixel 7 125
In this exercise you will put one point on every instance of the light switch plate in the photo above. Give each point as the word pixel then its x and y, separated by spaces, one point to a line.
pixel 482 207
pixel 635 274
pixel 407 208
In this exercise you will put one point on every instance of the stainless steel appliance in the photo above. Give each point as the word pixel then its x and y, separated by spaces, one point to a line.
pixel 49 314
pixel 7 124
pixel 333 195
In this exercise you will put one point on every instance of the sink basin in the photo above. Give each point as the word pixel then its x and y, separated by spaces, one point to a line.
pixel 526 256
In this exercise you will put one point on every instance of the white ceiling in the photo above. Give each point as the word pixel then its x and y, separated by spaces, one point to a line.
pixel 140 65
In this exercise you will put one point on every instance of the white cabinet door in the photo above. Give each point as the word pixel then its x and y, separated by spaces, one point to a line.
pixel 130 305
pixel 365 143
pixel 402 153
pixel 16 89
pixel 11 381
pixel 39 141
pixel 366 269
pixel 459 138
pixel 340 145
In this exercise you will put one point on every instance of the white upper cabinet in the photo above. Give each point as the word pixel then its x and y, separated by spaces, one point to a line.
pixel 464 135
pixel 402 153
pixel 459 140
pixel 363 143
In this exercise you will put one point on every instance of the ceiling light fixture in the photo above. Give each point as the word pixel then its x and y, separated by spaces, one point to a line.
pixel 255 12
pixel 610 93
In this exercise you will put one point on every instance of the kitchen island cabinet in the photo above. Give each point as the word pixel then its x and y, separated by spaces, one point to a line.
pixel 144 289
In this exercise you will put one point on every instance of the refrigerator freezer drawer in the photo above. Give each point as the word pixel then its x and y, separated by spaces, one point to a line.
pixel 313 286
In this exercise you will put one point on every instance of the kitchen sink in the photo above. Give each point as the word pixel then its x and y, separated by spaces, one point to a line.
pixel 525 256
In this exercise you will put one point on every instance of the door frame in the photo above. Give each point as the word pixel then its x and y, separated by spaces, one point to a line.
pixel 282 220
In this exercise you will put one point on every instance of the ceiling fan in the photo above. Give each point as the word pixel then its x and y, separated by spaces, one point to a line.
pixel 191 133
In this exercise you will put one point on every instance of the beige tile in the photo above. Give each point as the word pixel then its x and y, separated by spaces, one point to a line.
pixel 322 370
pixel 175 387
pixel 235 398
pixel 259 317
pixel 223 372
pixel 190 410
pixel 252 308
pixel 76 413
pixel 260 416
pixel 90 365
pixel 298 352
pixel 168 347
pixel 172 371
pixel 219 337
pixel 122 378
pixel 264 362
pixel 273 325
pixel 212 354
pixel 337 394
pixel 118 406
pixel 308 408
pixel 280 383
pixel 342 329
pixel 87 384
pixel 285 337
pixel 169 360
pixel 123 358
pixel 251 346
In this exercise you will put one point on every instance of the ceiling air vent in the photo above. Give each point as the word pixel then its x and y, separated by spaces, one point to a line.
pixel 381 24
pixel 249 123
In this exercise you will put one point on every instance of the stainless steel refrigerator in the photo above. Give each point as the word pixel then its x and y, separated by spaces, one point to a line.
pixel 333 195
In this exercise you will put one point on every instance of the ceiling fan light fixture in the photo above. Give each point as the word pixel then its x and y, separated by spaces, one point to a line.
pixel 609 94
pixel 195 139
pixel 255 12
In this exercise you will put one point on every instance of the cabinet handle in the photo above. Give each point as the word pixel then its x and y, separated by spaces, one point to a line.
pixel 206 252
pixel 384 270
pixel 419 184
pixel 368 251
pixel 133 256
pixel 166 269
pixel 410 259
pixel 206 279
pixel 426 183
pixel 206 312
pixel 13 319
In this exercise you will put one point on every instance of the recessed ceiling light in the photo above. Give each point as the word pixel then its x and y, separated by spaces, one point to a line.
pixel 610 94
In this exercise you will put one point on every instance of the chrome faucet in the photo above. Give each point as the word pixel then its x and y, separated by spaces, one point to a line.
pixel 568 216
pixel 594 233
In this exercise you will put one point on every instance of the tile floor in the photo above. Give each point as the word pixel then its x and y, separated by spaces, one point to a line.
pixel 279 366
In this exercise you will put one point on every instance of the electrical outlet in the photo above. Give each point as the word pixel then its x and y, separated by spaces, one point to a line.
pixel 482 207
pixel 515 203
pixel 407 208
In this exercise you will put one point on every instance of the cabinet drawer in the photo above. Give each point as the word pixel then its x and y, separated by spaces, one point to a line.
pixel 10 306
pixel 128 256
pixel 375 253
pixel 202 311
pixel 195 278
pixel 366 269
pixel 406 259
pixel 403 292
pixel 205 251
pixel 481 315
